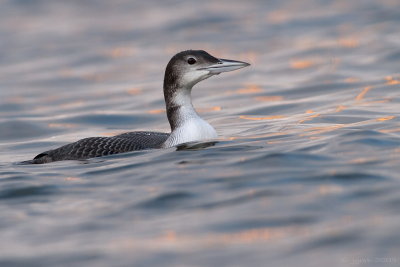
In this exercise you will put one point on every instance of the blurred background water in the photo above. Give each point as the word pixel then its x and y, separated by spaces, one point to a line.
pixel 306 172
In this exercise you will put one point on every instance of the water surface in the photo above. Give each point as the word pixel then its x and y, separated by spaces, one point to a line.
pixel 306 170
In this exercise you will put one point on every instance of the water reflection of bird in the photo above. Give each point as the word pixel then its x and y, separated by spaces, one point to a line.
pixel 183 71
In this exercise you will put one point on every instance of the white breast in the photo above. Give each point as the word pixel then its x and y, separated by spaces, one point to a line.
pixel 193 129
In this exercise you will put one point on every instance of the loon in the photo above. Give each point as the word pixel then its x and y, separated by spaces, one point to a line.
pixel 183 71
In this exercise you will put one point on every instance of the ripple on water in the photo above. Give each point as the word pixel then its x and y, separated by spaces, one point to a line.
pixel 11 107
pixel 239 199
pixel 114 120
pixel 170 200
pixel 277 159
pixel 266 222
pixel 17 130
pixel 328 241
pixel 29 192
pixel 347 177
pixel 366 140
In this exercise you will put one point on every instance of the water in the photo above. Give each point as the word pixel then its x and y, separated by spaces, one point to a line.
pixel 306 171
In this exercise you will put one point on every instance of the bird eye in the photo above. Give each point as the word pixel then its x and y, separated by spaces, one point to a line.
pixel 191 61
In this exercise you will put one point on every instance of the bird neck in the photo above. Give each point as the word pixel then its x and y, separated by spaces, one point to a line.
pixel 186 124
pixel 179 106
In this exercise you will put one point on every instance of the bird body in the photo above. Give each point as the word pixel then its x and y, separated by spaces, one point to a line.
pixel 183 71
